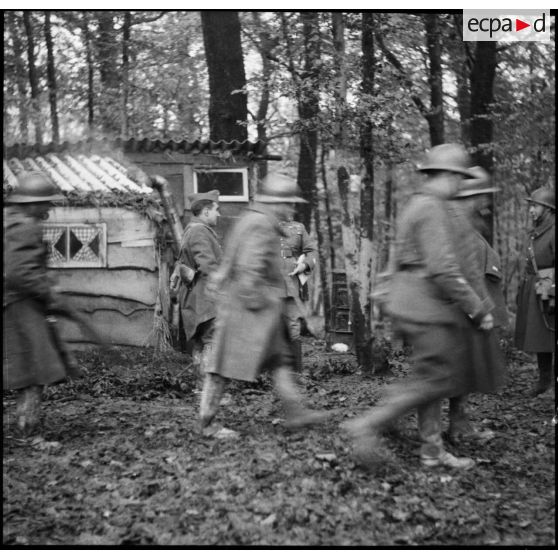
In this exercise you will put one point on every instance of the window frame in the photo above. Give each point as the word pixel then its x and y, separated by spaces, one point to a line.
pixel 76 264
pixel 245 197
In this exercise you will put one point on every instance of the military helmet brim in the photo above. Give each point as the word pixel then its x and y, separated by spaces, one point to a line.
pixel 265 198
pixel 476 192
pixel 459 170
pixel 539 202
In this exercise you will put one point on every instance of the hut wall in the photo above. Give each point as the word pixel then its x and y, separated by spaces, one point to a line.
pixel 120 298
pixel 178 169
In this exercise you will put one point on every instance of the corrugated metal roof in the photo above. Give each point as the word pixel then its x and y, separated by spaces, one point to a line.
pixel 77 173
pixel 246 148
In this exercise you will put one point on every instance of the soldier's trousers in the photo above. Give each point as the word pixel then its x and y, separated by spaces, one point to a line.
pixel 214 387
pixel 28 409
pixel 437 354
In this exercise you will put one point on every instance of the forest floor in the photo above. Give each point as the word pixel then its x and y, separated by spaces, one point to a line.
pixel 120 462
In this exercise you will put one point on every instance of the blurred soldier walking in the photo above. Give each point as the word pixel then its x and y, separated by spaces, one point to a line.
pixel 428 300
pixel 297 258
pixel 483 366
pixel 33 355
pixel 535 325
pixel 251 331
pixel 200 251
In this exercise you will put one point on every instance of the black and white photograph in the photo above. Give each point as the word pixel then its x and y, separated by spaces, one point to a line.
pixel 279 279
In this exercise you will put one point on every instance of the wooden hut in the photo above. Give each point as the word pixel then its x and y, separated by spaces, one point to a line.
pixel 109 248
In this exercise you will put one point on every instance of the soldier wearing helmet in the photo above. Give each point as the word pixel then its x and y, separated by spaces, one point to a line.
pixel 31 359
pixel 251 330
pixel 535 323
pixel 429 300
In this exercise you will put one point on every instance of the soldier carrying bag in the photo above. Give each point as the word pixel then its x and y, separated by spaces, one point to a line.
pixel 545 288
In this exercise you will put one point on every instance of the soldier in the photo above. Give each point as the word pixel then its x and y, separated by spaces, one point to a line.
pixel 535 325
pixel 297 254
pixel 484 366
pixel 428 300
pixel 251 331
pixel 200 251
pixel 33 356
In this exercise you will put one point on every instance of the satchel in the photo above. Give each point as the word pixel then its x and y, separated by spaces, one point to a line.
pixel 545 287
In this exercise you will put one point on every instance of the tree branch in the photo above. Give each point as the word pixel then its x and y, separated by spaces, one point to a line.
pixel 403 77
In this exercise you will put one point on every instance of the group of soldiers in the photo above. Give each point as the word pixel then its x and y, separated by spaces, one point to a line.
pixel 243 304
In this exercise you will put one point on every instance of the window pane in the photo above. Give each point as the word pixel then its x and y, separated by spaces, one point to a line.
pixel 228 183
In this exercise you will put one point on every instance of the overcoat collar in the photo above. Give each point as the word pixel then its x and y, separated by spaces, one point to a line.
pixel 543 226
pixel 197 221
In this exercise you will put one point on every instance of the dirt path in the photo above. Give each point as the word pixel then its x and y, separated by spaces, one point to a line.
pixel 123 464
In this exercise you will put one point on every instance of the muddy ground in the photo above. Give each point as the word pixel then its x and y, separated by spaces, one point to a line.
pixel 120 461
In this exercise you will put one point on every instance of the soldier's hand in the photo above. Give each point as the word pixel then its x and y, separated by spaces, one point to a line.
pixel 300 268
pixel 174 278
pixel 487 323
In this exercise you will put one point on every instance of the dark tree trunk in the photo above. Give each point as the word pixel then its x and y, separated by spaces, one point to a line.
pixel 459 58
pixel 90 72
pixel 33 78
pixel 126 28
pixel 435 117
pixel 23 115
pixel 308 110
pixel 366 141
pixel 107 60
pixel 482 96
pixel 225 65
pixel 51 79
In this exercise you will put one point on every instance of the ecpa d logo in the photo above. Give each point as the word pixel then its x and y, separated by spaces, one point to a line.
pixel 506 26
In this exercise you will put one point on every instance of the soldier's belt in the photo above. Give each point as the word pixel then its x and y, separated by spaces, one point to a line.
pixel 286 253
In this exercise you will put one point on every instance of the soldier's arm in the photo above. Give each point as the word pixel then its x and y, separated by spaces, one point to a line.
pixel 309 250
pixel 202 250
pixel 442 267
pixel 24 263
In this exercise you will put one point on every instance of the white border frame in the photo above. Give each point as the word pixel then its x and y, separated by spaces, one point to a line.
pixel 222 198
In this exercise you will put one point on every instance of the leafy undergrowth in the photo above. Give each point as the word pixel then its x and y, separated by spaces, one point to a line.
pixel 121 462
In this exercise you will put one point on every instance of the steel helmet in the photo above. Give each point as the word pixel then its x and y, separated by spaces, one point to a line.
pixel 278 188
pixel 34 187
pixel 543 196
pixel 476 186
pixel 450 157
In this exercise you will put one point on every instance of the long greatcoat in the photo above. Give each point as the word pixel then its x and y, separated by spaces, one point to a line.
pixel 30 355
pixel 249 328
pixel 483 365
pixel 531 332
pixel 200 250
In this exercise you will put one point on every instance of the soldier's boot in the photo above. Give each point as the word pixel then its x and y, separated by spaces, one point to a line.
pixel 432 452
pixel 368 447
pixel 460 428
pixel 212 391
pixel 297 346
pixel 28 409
pixel 298 416
pixel 544 361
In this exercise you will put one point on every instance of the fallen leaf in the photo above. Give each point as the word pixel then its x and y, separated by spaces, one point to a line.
pixel 269 521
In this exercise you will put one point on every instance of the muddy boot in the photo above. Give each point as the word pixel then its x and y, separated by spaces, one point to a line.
pixel 28 410
pixel 544 361
pixel 436 457
pixel 369 449
pixel 298 416
pixel 212 391
pixel 460 428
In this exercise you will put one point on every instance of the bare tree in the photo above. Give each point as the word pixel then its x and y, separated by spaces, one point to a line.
pixel 51 80
pixel 227 80
pixel 33 77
